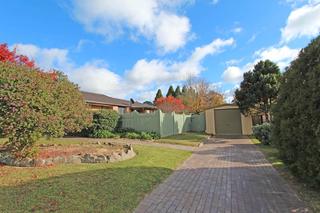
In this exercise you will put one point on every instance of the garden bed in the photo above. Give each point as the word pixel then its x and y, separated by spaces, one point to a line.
pixel 52 154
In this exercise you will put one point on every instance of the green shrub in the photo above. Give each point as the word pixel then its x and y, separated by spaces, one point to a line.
pixel 145 136
pixel 102 134
pixel 124 130
pixel 296 123
pixel 263 133
pixel 104 120
pixel 132 135
pixel 154 135
pixel 34 103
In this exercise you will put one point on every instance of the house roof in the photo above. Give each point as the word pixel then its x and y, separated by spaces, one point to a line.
pixel 107 100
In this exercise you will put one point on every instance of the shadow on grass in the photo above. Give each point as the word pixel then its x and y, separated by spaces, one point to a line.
pixel 103 190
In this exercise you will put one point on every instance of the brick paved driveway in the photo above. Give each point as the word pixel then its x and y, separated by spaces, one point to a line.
pixel 224 175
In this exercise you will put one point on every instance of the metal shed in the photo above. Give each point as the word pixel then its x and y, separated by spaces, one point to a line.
pixel 227 120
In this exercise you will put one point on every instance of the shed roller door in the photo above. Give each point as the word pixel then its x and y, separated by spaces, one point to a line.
pixel 228 122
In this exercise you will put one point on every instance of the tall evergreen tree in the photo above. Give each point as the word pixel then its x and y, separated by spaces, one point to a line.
pixel 296 115
pixel 170 91
pixel 177 92
pixel 259 89
pixel 184 90
pixel 158 95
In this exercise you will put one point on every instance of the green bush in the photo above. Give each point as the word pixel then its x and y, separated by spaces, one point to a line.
pixel 34 103
pixel 296 123
pixel 145 136
pixel 102 134
pixel 263 133
pixel 154 135
pixel 133 134
pixel 104 120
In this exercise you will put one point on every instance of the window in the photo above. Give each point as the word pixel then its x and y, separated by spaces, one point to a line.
pixel 121 110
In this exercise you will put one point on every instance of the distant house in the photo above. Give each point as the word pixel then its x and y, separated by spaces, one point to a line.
pixel 100 101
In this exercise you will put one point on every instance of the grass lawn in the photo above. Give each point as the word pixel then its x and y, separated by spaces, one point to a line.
pixel 187 139
pixel 307 194
pixel 116 187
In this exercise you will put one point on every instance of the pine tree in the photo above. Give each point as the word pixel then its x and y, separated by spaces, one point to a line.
pixel 259 89
pixel 184 90
pixel 177 92
pixel 158 95
pixel 170 91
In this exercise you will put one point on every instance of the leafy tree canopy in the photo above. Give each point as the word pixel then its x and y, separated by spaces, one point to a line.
pixel 259 88
pixel 34 103
pixel 170 104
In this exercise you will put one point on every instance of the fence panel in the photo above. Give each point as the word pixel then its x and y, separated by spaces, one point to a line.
pixel 198 122
pixel 149 122
pixel 165 124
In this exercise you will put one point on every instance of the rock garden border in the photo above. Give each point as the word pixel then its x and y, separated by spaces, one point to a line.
pixel 125 153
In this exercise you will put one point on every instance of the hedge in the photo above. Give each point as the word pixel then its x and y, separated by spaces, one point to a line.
pixel 296 129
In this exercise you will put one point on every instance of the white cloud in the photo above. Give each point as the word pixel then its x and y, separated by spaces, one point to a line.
pixel 232 74
pixel 252 38
pixel 153 19
pixel 215 1
pixel 303 21
pixel 237 30
pixel 229 94
pixel 146 72
pixel 94 77
pixel 159 72
pixel 172 32
pixel 216 86
pixel 281 56
pixel 82 43
pixel 46 58
pixel 143 77
pixel 233 62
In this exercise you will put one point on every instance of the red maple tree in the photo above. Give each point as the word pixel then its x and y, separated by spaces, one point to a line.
pixel 13 57
pixel 7 55
pixel 170 104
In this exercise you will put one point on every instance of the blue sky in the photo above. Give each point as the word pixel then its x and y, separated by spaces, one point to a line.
pixel 128 48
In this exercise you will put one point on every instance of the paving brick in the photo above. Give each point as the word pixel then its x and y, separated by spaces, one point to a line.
pixel 224 175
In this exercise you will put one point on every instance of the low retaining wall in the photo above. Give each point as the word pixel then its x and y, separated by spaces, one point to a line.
pixel 125 154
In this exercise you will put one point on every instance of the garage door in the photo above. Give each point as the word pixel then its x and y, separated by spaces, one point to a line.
pixel 227 121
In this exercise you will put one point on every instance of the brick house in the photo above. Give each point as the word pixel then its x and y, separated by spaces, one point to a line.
pixel 99 101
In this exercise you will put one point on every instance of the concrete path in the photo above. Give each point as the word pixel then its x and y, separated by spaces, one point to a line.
pixel 224 175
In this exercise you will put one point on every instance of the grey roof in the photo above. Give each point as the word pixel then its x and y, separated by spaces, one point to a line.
pixel 107 100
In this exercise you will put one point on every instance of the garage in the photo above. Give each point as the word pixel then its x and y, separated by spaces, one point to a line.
pixel 227 120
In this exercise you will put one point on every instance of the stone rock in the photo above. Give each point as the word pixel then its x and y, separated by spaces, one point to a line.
pixel 58 160
pixel 25 162
pixel 38 162
pixel 118 155
pixel 73 159
pixel 100 159
pixel 88 158
pixel 48 162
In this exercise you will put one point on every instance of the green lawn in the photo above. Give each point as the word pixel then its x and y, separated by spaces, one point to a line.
pixel 307 194
pixel 114 187
pixel 187 139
